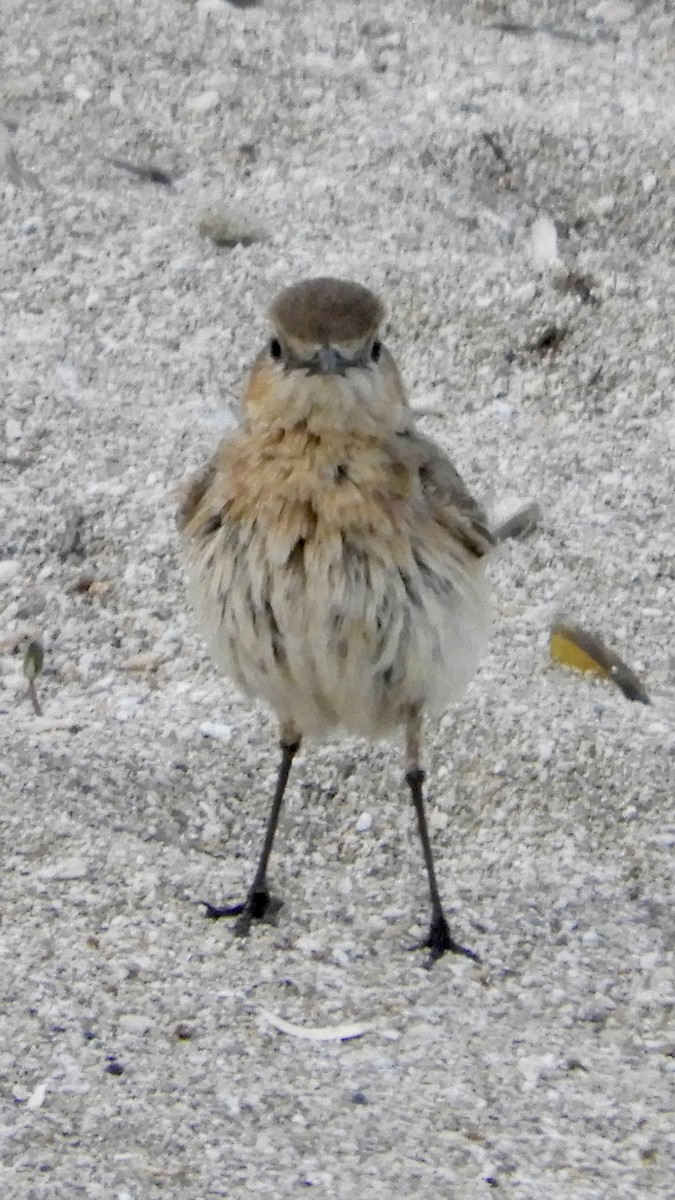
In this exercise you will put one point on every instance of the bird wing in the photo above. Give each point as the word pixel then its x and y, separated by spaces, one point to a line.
pixel 445 493
pixel 193 494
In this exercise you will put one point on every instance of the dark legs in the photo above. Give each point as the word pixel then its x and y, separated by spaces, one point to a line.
pixel 440 939
pixel 258 900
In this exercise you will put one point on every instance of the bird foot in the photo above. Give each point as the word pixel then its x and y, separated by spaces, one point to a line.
pixel 440 941
pixel 257 906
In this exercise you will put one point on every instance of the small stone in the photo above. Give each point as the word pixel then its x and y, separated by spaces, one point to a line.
pixel 433 404
pixel 8 569
pixel 143 662
pixel 135 1022
pixel 67 869
pixel 204 103
pixel 229 229
pixel 217 730
pixel 364 823
pixel 37 1096
pixel 650 182
pixel 544 242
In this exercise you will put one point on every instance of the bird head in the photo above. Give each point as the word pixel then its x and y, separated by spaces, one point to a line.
pixel 325 364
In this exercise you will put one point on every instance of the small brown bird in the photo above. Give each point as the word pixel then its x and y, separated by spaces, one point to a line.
pixel 336 559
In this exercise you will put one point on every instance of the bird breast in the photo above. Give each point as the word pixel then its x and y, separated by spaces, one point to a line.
pixel 325 586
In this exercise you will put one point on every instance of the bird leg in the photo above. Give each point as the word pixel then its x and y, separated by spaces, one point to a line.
pixel 440 939
pixel 258 900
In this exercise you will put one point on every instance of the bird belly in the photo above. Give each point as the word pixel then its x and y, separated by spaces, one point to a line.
pixel 343 633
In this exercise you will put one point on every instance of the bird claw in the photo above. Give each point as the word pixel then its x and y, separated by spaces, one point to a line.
pixel 440 941
pixel 258 906
pixel 215 911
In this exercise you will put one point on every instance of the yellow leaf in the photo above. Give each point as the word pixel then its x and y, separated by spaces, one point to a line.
pixel 583 651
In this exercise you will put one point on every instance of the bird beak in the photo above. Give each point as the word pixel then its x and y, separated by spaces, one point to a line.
pixel 327 361
pixel 330 361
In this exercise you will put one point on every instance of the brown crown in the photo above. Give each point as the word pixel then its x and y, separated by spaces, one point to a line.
pixel 326 311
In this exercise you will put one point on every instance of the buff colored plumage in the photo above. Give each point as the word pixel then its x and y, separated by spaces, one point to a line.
pixel 336 560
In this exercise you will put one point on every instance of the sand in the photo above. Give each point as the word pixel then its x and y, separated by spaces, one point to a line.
pixel 504 179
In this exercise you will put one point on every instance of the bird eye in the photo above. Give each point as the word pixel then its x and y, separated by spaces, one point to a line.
pixel 375 351
pixel 275 348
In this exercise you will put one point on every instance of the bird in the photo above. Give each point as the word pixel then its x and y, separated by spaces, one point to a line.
pixel 336 561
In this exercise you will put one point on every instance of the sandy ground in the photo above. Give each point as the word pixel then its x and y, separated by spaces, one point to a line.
pixel 504 178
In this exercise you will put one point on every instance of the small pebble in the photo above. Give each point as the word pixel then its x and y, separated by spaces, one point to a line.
pixel 544 242
pixel 204 103
pixel 8 569
pixel 66 869
pixel 217 730
pixel 229 229
pixel 135 1022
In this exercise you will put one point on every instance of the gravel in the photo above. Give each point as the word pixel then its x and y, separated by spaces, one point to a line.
pixel 504 179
